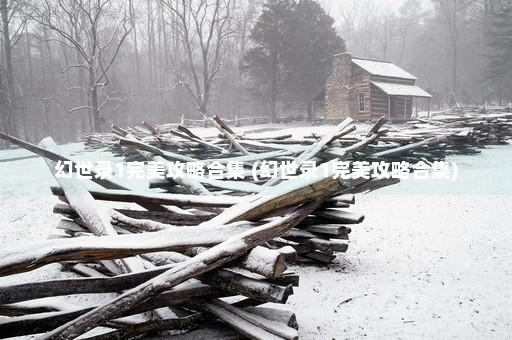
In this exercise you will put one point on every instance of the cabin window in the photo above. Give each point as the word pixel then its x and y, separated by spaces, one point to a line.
pixel 360 100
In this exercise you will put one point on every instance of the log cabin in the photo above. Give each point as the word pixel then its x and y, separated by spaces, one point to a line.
pixel 365 89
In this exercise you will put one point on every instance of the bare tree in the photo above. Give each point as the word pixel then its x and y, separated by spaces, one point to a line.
pixel 13 24
pixel 96 30
pixel 204 28
pixel 453 14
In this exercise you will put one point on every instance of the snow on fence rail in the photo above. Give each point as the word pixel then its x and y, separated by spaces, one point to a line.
pixel 237 121
pixel 173 259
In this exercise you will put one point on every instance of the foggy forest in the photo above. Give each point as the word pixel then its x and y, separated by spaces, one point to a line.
pixel 71 66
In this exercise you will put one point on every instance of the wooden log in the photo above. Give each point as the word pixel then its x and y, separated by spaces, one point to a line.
pixel 346 198
pixel 168 156
pixel 328 246
pixel 319 256
pixel 376 127
pixel 267 262
pixel 285 317
pixel 284 195
pixel 249 324
pixel 243 285
pixel 36 290
pixel 84 270
pixel 157 216
pixel 206 261
pixel 209 331
pixel 159 198
pixel 19 310
pixel 260 260
pixel 340 216
pixel 26 325
pixel 155 325
pixel 96 219
pixel 32 324
pixel 188 132
pixel 429 141
pixel 332 230
pixel 191 185
pixel 287 279
pixel 275 154
pixel 315 148
pixel 229 134
pixel 21 258
pixel 197 140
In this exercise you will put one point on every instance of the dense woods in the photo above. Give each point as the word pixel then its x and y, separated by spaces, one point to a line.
pixel 70 66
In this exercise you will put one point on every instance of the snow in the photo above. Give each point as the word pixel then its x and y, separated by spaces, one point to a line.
pixel 401 90
pixel 431 260
pixel 382 68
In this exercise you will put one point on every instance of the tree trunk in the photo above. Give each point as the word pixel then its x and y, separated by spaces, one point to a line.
pixel 309 106
pixel 9 77
pixel 454 69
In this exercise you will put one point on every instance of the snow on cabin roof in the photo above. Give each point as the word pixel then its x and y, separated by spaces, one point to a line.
pixel 401 90
pixel 382 68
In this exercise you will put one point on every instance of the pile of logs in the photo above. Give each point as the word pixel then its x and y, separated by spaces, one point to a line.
pixel 378 143
pixel 198 257
pixel 197 260
pixel 486 129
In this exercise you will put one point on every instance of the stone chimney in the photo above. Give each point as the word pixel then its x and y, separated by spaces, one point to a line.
pixel 339 93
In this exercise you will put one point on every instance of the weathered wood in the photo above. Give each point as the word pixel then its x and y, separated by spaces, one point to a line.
pixel 95 218
pixel 315 148
pixel 387 153
pixel 206 261
pixel 159 198
pixel 31 324
pixel 262 261
pixel 278 315
pixel 229 134
pixel 346 198
pixel 191 185
pixel 284 195
pixel 242 285
pixel 333 230
pixel 169 156
pixel 196 140
pixel 157 216
pixel 249 324
pixel 155 325
pixel 328 245
pixel 269 263
pixel 319 256
pixel 340 216
pixel 210 331
pixel 36 290
pixel 21 258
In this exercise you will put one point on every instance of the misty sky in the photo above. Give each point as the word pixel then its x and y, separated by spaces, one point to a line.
pixel 333 5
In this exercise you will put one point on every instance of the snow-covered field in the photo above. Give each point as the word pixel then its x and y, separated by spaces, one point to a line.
pixel 433 259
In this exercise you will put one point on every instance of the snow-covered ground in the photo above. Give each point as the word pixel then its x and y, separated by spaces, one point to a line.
pixel 431 260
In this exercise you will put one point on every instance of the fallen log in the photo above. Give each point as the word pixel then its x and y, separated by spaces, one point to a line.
pixel 96 219
pixel 228 133
pixel 159 198
pixel 206 261
pixel 251 325
pixel 21 258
